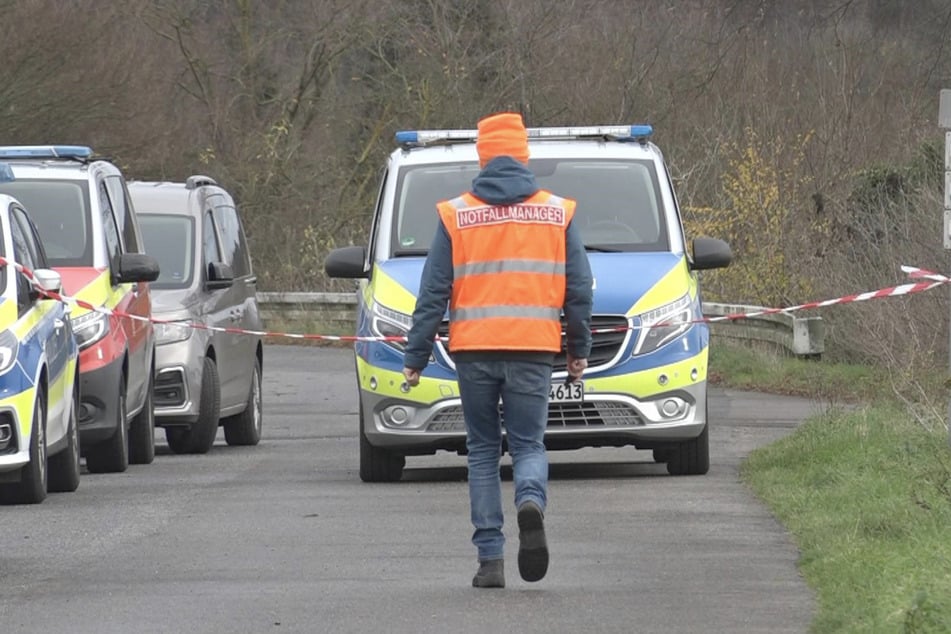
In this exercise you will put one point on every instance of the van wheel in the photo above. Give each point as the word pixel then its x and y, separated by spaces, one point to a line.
pixel 245 428
pixel 200 436
pixel 31 489
pixel 691 457
pixel 142 430
pixel 64 466
pixel 378 465
pixel 112 456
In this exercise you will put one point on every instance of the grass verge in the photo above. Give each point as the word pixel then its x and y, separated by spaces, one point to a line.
pixel 865 490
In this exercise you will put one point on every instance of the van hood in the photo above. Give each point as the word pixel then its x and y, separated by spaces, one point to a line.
pixel 624 283
pixel 173 303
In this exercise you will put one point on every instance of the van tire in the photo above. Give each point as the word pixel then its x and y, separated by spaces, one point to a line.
pixel 245 428
pixel 691 457
pixel 199 437
pixel 64 467
pixel 31 489
pixel 378 465
pixel 112 456
pixel 142 430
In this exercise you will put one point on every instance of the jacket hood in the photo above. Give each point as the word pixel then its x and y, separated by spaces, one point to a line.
pixel 504 180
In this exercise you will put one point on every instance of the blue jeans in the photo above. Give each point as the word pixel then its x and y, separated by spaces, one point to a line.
pixel 523 389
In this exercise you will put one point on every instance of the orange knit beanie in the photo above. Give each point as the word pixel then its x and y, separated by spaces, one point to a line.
pixel 502 134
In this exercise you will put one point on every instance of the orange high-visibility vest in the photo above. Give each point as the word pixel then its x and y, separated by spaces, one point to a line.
pixel 508 272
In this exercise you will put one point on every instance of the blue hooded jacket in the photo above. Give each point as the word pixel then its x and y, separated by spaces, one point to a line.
pixel 503 180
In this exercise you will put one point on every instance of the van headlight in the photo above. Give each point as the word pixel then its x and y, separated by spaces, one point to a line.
pixel 387 322
pixel 664 324
pixel 90 328
pixel 9 346
pixel 171 333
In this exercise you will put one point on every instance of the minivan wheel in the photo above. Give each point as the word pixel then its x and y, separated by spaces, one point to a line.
pixel 378 465
pixel 691 457
pixel 142 430
pixel 112 456
pixel 245 428
pixel 200 436
pixel 31 489
pixel 64 466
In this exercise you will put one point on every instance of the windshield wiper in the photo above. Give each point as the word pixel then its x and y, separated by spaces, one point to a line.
pixel 408 253
pixel 601 249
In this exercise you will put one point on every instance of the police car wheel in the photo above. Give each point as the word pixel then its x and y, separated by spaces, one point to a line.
pixel 64 466
pixel 691 457
pixel 378 465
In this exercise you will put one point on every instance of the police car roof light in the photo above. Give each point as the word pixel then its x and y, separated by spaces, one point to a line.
pixel 6 173
pixel 618 132
pixel 45 151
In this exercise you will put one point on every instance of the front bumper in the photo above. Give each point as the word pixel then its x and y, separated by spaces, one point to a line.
pixel 16 416
pixel 99 402
pixel 611 414
pixel 178 381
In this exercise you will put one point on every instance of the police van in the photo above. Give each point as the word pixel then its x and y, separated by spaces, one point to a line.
pixel 646 382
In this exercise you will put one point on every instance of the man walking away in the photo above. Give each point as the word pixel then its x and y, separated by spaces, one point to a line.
pixel 507 260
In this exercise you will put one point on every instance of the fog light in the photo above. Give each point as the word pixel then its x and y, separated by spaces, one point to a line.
pixel 6 433
pixel 396 416
pixel 673 407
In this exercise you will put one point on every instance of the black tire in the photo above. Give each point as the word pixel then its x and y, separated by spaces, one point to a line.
pixel 662 455
pixel 112 456
pixel 199 437
pixel 245 428
pixel 64 466
pixel 378 465
pixel 142 430
pixel 691 457
pixel 31 489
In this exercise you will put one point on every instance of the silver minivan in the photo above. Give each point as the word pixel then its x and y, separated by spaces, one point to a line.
pixel 204 378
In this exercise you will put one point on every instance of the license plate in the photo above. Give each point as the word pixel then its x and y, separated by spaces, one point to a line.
pixel 570 393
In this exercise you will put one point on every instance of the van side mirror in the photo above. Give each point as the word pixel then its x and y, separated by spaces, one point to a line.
pixel 710 253
pixel 135 267
pixel 47 279
pixel 220 275
pixel 346 262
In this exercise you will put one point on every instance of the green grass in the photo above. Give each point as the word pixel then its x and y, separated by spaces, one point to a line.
pixel 864 489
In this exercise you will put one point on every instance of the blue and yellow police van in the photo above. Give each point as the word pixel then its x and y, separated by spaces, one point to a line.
pixel 39 368
pixel 646 382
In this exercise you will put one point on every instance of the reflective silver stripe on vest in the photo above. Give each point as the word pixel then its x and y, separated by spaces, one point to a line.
pixel 514 312
pixel 508 266
pixel 458 202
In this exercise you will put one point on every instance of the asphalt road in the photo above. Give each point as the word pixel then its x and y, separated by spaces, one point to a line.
pixel 283 537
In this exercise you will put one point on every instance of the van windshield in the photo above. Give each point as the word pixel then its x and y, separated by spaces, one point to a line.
pixel 619 202
pixel 170 239
pixel 60 211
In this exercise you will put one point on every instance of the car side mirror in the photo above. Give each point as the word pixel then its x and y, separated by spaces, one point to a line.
pixel 135 267
pixel 220 275
pixel 48 280
pixel 346 262
pixel 710 253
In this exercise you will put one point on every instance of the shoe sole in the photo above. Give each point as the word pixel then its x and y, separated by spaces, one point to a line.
pixel 533 547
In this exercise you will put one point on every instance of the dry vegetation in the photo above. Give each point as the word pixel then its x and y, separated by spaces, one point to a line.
pixel 803 131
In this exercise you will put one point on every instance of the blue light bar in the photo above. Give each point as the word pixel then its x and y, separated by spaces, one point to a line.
pixel 45 151
pixel 6 173
pixel 618 132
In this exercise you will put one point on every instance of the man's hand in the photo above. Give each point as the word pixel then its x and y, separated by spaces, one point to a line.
pixel 411 376
pixel 576 368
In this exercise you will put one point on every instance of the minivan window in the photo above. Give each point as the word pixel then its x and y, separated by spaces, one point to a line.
pixel 619 205
pixel 123 209
pixel 60 211
pixel 209 241
pixel 232 241
pixel 113 246
pixel 170 239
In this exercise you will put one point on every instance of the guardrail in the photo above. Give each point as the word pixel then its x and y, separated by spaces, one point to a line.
pixel 333 314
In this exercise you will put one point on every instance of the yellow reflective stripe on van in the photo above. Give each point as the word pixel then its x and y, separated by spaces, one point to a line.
pixel 22 404
pixel 28 323
pixel 671 287
pixel 390 293
pixel 100 292
pixel 388 383
pixel 8 313
pixel 645 383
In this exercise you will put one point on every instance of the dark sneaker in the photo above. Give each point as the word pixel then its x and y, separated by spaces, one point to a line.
pixel 532 546
pixel 491 574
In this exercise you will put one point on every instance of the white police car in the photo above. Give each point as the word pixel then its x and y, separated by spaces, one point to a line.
pixel 39 441
pixel 646 383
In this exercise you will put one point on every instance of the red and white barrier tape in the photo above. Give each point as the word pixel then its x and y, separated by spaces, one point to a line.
pixel 934 280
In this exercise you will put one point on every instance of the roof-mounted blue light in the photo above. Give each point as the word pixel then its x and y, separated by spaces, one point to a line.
pixel 617 132
pixel 45 151
pixel 6 173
